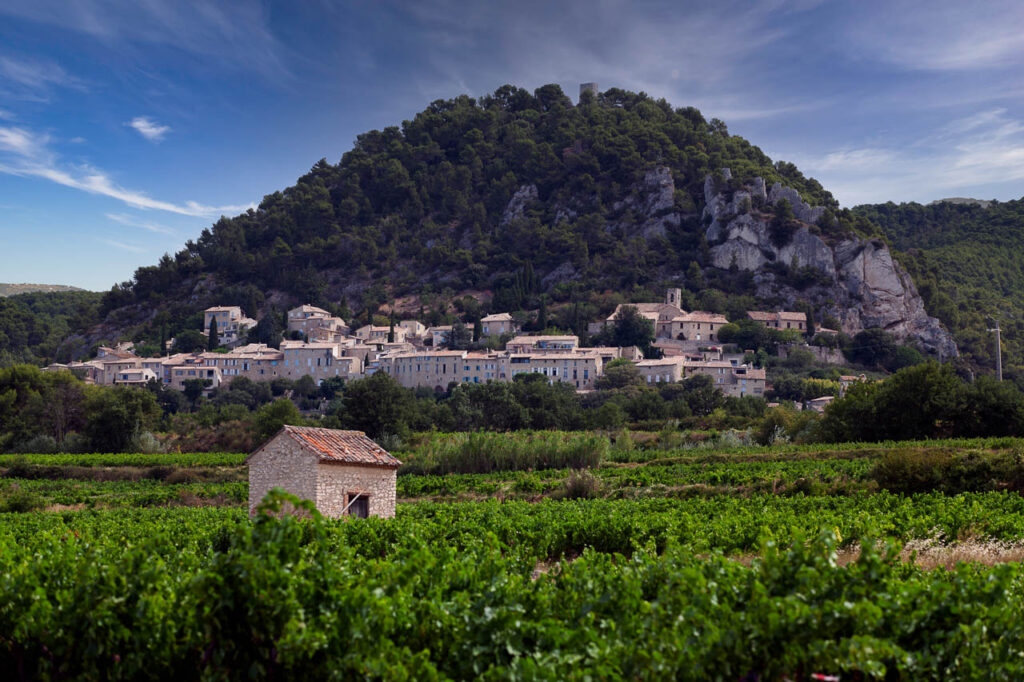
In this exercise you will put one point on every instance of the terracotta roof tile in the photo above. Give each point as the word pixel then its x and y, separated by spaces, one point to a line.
pixel 344 447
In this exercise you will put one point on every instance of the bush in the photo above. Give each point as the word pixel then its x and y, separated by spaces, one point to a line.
pixel 41 444
pixel 17 499
pixel 581 485
pixel 912 470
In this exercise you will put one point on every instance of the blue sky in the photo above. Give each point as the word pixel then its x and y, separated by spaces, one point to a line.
pixel 126 127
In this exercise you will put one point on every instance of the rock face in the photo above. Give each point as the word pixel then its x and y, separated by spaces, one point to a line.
pixel 651 205
pixel 516 208
pixel 857 281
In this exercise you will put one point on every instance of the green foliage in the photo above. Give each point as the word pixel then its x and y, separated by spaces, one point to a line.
pixel 967 263
pixel 924 401
pixel 34 326
pixel 485 452
pixel 271 418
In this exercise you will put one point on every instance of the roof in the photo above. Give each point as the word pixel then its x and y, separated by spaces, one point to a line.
pixel 497 317
pixel 761 316
pixel 704 316
pixel 336 446
pixel 221 309
pixel 788 315
pixel 519 340
pixel 308 309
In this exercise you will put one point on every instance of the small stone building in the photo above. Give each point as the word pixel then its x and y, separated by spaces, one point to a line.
pixel 343 473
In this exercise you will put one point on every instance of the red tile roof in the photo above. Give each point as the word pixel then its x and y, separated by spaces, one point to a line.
pixel 343 447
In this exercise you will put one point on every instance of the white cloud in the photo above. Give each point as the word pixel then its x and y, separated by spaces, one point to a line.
pixel 26 154
pixel 148 128
pixel 983 149
pixel 32 79
pixel 6 115
pixel 145 225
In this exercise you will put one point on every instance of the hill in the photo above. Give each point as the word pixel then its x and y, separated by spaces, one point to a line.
pixel 515 194
pixel 968 263
pixel 35 326
pixel 15 289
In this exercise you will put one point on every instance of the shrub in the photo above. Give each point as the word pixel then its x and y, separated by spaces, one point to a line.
pixel 581 485
pixel 17 499
pixel 475 453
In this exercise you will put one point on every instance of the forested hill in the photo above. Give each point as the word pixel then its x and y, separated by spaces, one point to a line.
pixel 968 263
pixel 426 207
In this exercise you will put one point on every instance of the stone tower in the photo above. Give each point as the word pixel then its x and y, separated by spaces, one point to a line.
pixel 673 297
pixel 588 87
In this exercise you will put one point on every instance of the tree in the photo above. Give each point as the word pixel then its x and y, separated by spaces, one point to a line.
pixel 189 341
pixel 619 373
pixel 630 328
pixel 459 337
pixel 116 417
pixel 193 388
pixel 378 405
pixel 214 340
pixel 271 418
pixel 702 395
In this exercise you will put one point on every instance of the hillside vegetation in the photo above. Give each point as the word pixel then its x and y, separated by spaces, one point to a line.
pixel 968 263
pixel 422 208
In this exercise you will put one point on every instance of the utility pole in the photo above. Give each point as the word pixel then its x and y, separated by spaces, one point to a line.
pixel 999 352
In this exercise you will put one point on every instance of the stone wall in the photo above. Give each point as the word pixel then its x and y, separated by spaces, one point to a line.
pixel 335 481
pixel 282 464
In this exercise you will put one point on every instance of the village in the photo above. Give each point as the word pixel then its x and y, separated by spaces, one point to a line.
pixel 322 346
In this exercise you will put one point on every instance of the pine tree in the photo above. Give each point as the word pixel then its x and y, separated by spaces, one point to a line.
pixel 214 341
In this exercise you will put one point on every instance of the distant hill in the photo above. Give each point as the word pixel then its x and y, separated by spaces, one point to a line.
pixel 984 203
pixel 967 260
pixel 15 289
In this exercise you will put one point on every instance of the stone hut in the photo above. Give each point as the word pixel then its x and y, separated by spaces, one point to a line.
pixel 343 473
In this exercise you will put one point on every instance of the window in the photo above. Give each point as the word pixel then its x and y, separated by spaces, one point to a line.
pixel 358 505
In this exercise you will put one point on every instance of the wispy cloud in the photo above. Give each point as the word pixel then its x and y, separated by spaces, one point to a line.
pixel 985 148
pixel 123 246
pixel 236 32
pixel 937 35
pixel 33 79
pixel 129 221
pixel 28 154
pixel 148 128
pixel 6 115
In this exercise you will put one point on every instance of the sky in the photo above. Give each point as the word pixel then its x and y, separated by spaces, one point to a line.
pixel 127 126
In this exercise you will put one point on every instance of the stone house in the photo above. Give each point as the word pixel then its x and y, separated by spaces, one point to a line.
pixel 231 323
pixel 698 326
pixel 781 320
pixel 530 344
pixel 667 370
pixel 308 320
pixel 414 329
pixel 498 324
pixel 343 473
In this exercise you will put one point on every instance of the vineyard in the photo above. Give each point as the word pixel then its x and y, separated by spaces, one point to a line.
pixel 688 564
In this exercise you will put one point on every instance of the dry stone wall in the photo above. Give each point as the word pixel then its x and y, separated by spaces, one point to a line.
pixel 335 482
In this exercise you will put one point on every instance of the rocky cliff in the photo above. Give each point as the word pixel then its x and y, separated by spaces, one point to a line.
pixel 852 279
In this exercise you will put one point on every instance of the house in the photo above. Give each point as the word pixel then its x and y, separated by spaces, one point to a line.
pixel 439 335
pixel 379 334
pixel 781 320
pixel 698 325
pixel 529 344
pixel 343 473
pixel 231 323
pixel 660 314
pixel 498 324
pixel 414 329
pixel 308 320
pixel 667 370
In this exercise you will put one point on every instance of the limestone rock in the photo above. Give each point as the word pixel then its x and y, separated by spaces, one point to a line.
pixel 524 196
pixel 801 210
pixel 861 285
